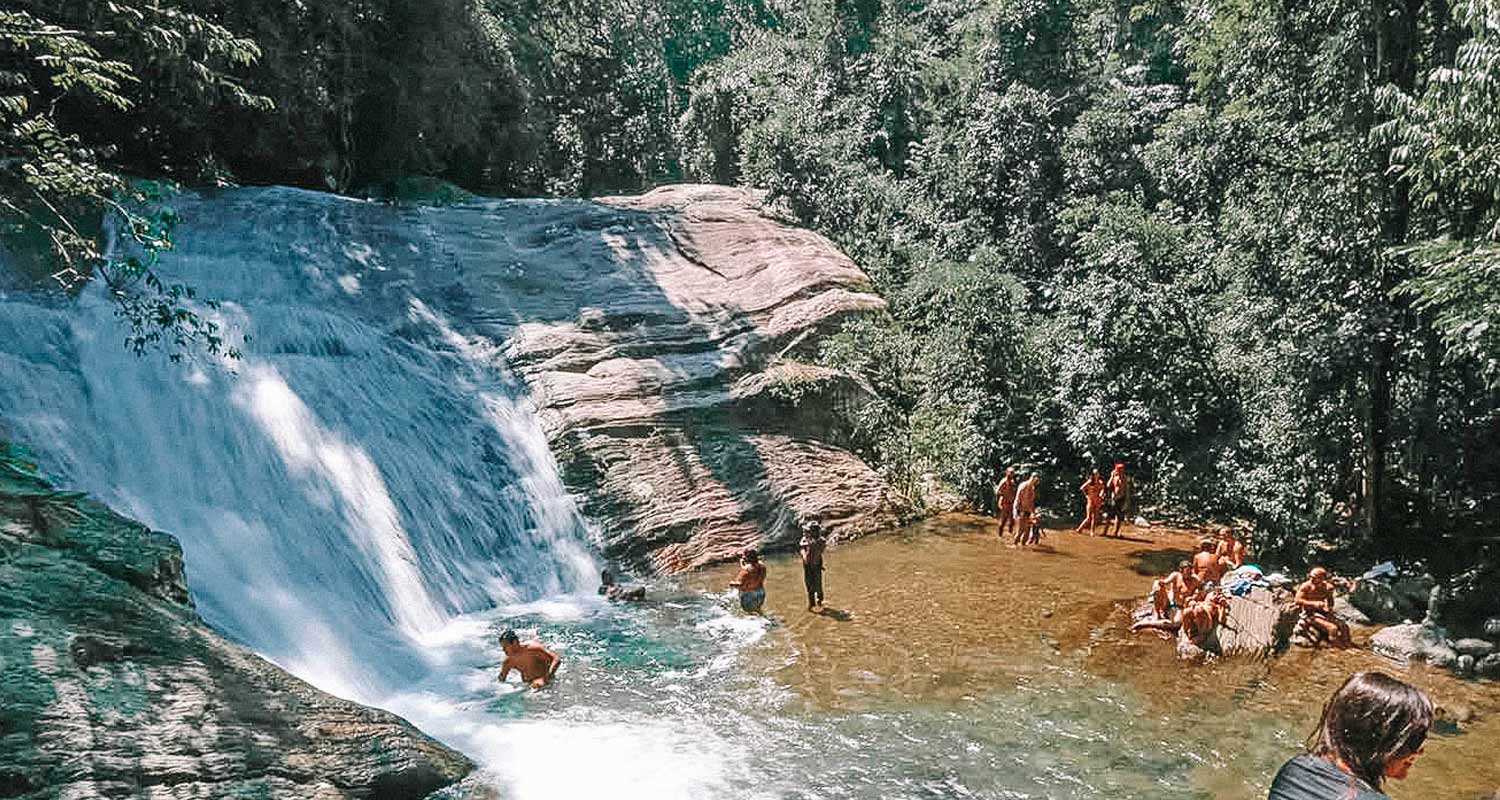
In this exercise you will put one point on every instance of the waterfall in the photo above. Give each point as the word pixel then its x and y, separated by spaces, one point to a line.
pixel 366 472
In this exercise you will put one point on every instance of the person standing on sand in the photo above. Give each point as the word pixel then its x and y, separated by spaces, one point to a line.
pixel 1025 508
pixel 1005 501
pixel 1120 489
pixel 536 663
pixel 811 549
pixel 751 582
pixel 1373 728
pixel 1093 501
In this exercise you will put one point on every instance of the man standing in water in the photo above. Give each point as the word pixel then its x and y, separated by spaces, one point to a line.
pixel 811 549
pixel 1093 499
pixel 536 663
pixel 1119 487
pixel 751 582
pixel 1005 501
pixel 1025 508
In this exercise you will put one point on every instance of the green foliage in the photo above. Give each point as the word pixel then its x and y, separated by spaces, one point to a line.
pixel 60 63
pixel 1221 241
pixel 1445 141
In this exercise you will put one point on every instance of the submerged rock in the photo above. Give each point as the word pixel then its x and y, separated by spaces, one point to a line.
pixel 111 685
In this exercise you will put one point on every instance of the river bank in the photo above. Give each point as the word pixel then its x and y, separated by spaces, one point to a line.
pixel 942 615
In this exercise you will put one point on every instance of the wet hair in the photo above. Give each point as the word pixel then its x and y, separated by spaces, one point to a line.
pixel 751 554
pixel 606 578
pixel 1371 720
pixel 509 637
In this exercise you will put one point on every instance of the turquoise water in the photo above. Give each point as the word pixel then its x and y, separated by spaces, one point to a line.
pixel 684 698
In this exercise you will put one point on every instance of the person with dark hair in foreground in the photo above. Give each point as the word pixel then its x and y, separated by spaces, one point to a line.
pixel 1372 729
pixel 536 663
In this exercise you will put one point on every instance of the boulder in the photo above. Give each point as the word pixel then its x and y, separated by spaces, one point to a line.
pixel 1348 613
pixel 1492 628
pixel 1464 665
pixel 111 685
pixel 1488 667
pixel 668 342
pixel 1414 642
pixel 1477 648
pixel 1393 599
pixel 1258 624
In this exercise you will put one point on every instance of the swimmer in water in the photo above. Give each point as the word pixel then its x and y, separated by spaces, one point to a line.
pixel 536 663
pixel 615 591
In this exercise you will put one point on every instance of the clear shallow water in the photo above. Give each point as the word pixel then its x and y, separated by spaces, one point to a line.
pixel 683 698
pixel 953 668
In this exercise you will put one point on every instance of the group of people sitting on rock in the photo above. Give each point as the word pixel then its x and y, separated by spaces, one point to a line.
pixel 1190 599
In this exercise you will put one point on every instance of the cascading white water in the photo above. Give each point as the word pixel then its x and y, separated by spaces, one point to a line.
pixel 364 474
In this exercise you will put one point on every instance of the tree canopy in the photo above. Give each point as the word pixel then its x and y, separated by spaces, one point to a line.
pixel 1249 247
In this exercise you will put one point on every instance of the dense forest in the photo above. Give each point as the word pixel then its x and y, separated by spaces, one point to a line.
pixel 1249 247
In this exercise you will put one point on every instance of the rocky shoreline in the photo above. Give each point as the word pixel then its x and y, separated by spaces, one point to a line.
pixel 112 686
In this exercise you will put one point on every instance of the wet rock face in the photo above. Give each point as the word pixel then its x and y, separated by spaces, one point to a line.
pixel 1402 599
pixel 667 342
pixel 111 686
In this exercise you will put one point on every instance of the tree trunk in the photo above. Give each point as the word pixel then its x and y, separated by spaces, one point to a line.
pixel 1393 60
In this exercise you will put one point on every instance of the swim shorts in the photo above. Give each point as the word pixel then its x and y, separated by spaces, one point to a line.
pixel 753 600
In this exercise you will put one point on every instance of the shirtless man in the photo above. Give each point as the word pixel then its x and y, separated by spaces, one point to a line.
pixel 1025 508
pixel 615 591
pixel 1206 563
pixel 1093 501
pixel 751 582
pixel 1170 595
pixel 1315 600
pixel 536 663
pixel 1119 488
pixel 1231 551
pixel 811 549
pixel 1207 609
pixel 1005 501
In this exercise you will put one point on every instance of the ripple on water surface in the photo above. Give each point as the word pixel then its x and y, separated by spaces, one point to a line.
pixel 933 680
